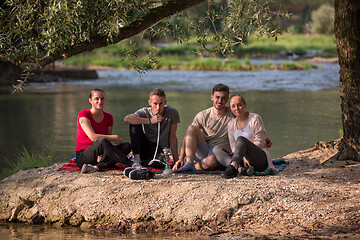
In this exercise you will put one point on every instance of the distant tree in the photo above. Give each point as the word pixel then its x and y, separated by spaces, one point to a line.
pixel 347 32
pixel 323 20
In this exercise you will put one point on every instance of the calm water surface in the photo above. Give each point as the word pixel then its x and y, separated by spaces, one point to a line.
pixel 293 120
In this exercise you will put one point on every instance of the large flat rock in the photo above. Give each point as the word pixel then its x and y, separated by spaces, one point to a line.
pixel 306 199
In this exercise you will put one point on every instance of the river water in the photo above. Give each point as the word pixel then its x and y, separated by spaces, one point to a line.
pixel 46 232
pixel 297 107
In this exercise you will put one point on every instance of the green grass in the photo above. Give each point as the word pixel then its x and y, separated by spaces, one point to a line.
pixel 297 66
pixel 290 42
pixel 186 56
pixel 27 160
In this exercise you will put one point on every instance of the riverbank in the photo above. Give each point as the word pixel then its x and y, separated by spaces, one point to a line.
pixel 314 196
pixel 192 55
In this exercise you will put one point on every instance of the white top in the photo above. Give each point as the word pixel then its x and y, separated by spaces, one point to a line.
pixel 258 132
pixel 246 132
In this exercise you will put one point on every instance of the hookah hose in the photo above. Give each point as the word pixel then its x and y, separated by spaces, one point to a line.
pixel 157 142
pixel 167 170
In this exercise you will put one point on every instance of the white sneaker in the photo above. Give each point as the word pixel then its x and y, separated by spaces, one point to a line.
pixel 88 168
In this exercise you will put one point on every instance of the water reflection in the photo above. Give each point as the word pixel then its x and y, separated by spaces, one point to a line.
pixel 41 232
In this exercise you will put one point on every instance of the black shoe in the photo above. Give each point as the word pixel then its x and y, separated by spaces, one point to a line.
pixel 156 163
pixel 230 172
pixel 250 171
pixel 129 169
pixel 247 171
pixel 140 174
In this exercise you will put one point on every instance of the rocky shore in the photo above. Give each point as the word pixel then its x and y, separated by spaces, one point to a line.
pixel 314 197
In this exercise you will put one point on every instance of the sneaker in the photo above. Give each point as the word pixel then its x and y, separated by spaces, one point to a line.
pixel 156 163
pixel 243 171
pixel 88 168
pixel 129 169
pixel 250 171
pixel 230 172
pixel 140 174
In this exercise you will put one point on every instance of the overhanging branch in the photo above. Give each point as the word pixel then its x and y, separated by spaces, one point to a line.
pixel 154 16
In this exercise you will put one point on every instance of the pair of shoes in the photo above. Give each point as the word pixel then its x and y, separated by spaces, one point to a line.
pixel 129 169
pixel 141 174
pixel 88 168
pixel 136 173
pixel 230 172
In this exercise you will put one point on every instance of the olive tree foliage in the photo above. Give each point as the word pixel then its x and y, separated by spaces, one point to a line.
pixel 43 31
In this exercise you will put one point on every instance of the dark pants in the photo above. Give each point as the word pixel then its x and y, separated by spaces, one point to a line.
pixel 141 145
pixel 113 154
pixel 243 148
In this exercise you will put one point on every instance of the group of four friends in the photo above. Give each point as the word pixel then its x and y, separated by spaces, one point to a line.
pixel 224 138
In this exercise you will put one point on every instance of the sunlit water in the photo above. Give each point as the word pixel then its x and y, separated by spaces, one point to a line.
pixel 298 109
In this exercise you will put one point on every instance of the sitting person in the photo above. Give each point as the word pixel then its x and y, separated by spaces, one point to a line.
pixel 146 140
pixel 94 150
pixel 247 138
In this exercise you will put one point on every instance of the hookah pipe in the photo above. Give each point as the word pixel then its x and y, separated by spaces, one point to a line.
pixel 167 170
pixel 166 151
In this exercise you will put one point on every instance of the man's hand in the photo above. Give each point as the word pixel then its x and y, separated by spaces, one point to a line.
pixel 156 118
pixel 268 143
pixel 178 164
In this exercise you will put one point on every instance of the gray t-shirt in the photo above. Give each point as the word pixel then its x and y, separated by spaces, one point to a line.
pixel 171 116
pixel 214 128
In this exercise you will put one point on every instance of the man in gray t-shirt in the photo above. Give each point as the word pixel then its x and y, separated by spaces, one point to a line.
pixel 144 129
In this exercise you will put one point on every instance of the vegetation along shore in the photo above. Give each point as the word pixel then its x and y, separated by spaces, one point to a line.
pixel 171 56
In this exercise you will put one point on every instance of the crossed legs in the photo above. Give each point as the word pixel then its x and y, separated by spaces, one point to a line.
pixel 103 146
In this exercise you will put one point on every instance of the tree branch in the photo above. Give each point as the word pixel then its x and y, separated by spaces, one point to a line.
pixel 154 16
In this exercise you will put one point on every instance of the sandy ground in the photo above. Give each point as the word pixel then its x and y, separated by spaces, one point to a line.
pixel 314 197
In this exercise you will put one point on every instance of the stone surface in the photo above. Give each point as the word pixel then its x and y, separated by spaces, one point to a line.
pixel 306 200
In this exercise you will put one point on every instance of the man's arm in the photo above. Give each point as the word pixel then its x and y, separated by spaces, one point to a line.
pixel 135 119
pixel 174 142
